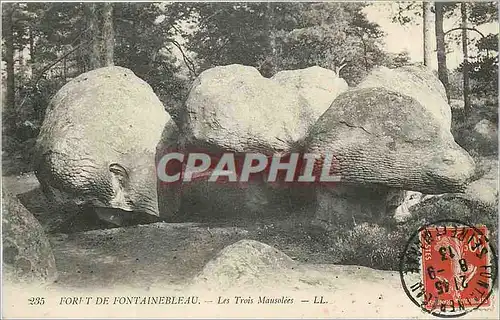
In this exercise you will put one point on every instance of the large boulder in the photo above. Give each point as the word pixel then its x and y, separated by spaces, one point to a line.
pixel 98 140
pixel 65 217
pixel 268 276
pixel 244 263
pixel 378 136
pixel 207 201
pixel 486 129
pixel 477 132
pixel 409 199
pixel 417 82
pixel 169 194
pixel 204 200
pixel 234 108
pixel 319 86
pixel 484 190
pixel 382 143
pixel 484 137
pixel 469 207
pixel 27 254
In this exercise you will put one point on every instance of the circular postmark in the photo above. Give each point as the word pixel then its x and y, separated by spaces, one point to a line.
pixel 448 268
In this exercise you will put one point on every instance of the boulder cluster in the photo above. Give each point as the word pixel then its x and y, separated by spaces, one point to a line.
pixel 105 131
pixel 389 135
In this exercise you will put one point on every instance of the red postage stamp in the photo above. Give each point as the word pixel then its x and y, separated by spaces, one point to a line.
pixel 456 269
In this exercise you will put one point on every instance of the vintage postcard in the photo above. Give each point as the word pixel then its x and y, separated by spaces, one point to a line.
pixel 250 159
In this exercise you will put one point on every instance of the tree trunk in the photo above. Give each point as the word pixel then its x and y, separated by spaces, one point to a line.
pixel 465 68
pixel 365 53
pixel 108 34
pixel 8 33
pixel 441 48
pixel 32 45
pixel 80 59
pixel 93 31
pixel 32 60
pixel 427 32
pixel 65 70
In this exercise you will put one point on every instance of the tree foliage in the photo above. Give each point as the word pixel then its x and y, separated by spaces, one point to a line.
pixel 55 42
pixel 483 65
pixel 143 43
pixel 279 36
pixel 484 68
pixel 483 53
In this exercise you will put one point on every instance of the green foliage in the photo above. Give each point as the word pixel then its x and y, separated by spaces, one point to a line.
pixel 369 245
pixel 143 44
pixel 279 36
pixel 483 12
pixel 406 12
pixel 52 44
pixel 463 128
pixel 456 84
pixel 484 68
pixel 483 74
pixel 400 59
pixel 335 36
pixel 479 12
pixel 230 33
pixel 454 207
pixel 380 247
